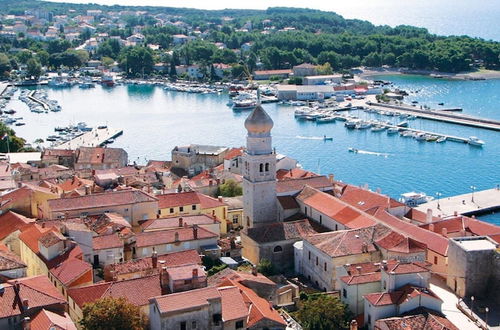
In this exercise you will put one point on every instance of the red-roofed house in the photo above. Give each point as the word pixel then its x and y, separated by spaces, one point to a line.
pixel 149 266
pixel 419 319
pixel 202 220
pixel 47 252
pixel 51 321
pixel 25 297
pixel 193 203
pixel 11 225
pixel 11 265
pixel 387 304
pixel 29 200
pixel 232 160
pixel 332 212
pixel 134 205
pixel 137 291
pixel 175 240
pixel 108 249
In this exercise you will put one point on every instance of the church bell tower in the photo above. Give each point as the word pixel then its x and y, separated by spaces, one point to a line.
pixel 259 171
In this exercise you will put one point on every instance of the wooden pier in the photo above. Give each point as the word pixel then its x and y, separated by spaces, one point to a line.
pixel 473 203
pixel 45 106
pixel 448 137
pixel 443 116
pixel 95 138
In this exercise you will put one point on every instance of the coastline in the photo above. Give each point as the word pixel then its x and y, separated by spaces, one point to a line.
pixel 475 75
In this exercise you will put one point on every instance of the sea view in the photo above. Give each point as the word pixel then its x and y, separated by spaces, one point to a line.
pixel 391 163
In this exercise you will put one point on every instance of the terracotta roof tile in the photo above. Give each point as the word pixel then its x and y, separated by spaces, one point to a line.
pixel 177 199
pixel 365 199
pixel 288 202
pixel 294 173
pixel 9 260
pixel 398 297
pixel 148 287
pixel 361 278
pixel 281 231
pixel 233 305
pixel 188 300
pixel 296 185
pixel 173 222
pixel 123 197
pixel 168 236
pixel 233 153
pixel 107 242
pixel 38 290
pixel 11 221
pixel 47 320
pixel 185 272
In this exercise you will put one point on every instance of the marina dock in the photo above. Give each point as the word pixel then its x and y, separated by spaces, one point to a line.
pixel 443 116
pixel 3 88
pixel 95 138
pixel 473 203
pixel 45 106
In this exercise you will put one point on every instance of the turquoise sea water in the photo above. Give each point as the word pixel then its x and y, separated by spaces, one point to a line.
pixel 155 120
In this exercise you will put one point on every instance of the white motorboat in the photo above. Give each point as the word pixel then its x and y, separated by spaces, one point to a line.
pixel 244 105
pixel 413 198
pixel 392 130
pixel 475 141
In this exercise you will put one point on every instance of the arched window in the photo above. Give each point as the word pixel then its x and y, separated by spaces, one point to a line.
pixel 261 168
pixel 267 167
pixel 277 248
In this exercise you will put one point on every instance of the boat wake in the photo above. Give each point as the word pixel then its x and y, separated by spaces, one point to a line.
pixel 310 137
pixel 366 152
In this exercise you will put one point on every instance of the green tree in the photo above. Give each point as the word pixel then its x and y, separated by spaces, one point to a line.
pixel 43 57
pixel 34 69
pixel 137 60
pixel 24 56
pixel 4 65
pixel 113 313
pixel 230 188
pixel 324 69
pixel 266 268
pixel 323 312
pixel 14 143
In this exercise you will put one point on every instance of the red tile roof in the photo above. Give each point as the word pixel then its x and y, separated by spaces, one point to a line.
pixel 107 242
pixel 233 305
pixel 407 268
pixel 270 72
pixel 120 197
pixel 137 291
pixel 185 272
pixel 259 309
pixel 173 222
pixel 281 231
pixel 208 202
pixel 294 173
pixel 338 210
pixel 168 236
pixel 433 241
pixel 365 199
pixel 400 296
pixel 184 301
pixel 146 265
pixel 38 290
pixel 288 202
pixel 9 260
pixel 348 242
pixel 47 320
pixel 51 238
pixel 11 221
pixel 295 185
pixel 69 267
pixel 31 234
pixel 402 244
pixel 423 321
pixel 177 199
pixel 465 224
pixel 361 278
pixel 233 153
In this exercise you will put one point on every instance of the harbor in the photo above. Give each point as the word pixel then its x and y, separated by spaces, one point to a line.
pixel 473 203
pixel 97 137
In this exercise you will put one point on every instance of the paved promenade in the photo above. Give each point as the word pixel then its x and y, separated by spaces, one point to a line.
pixel 95 138
pixel 468 204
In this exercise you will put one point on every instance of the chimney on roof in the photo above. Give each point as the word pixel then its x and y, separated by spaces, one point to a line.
pixel 195 273
pixel 455 213
pixel 254 270
pixel 384 264
pixel 154 259
pixel 270 305
pixel 210 182
pixel 164 279
pixel 330 178
pixel 220 199
pixel 176 237
pixel 444 232
pixel 353 325
pixel 431 227
pixel 181 222
pixel 428 217
pixel 43 224
pixel 27 323
pixel 195 231
pixel 358 269
pixel 185 225
pixel 26 304
pixel 87 189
